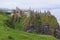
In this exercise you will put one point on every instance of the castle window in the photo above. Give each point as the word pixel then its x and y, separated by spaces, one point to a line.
pixel 17 12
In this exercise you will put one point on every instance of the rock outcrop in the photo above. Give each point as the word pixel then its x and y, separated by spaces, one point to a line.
pixel 44 23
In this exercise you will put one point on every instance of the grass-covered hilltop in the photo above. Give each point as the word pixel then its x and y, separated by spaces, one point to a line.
pixel 28 25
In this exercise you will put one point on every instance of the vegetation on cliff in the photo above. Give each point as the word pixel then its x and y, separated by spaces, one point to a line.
pixel 14 30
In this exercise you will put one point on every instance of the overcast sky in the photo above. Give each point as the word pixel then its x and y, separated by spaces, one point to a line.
pixel 52 5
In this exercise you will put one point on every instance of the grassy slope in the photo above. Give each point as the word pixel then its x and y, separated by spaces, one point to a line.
pixel 5 32
pixel 51 20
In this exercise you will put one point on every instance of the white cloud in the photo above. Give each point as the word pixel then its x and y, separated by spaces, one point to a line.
pixel 28 3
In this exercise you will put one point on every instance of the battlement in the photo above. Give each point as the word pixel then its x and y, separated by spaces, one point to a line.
pixel 28 12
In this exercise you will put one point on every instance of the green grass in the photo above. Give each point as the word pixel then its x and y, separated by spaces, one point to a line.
pixel 49 19
pixel 7 33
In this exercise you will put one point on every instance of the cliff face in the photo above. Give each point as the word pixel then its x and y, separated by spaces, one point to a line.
pixel 49 23
pixel 7 33
pixel 38 22
pixel 45 24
